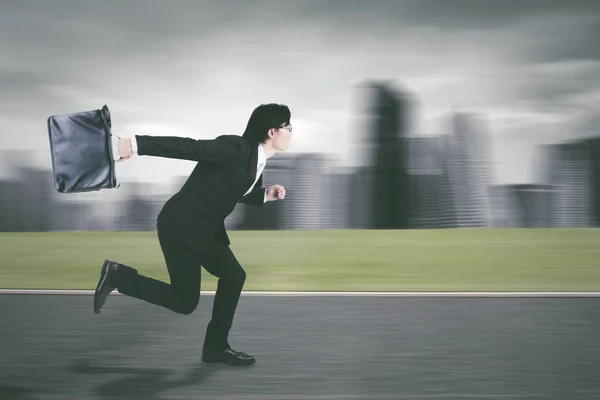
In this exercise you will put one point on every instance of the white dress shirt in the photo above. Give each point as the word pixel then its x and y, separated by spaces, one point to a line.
pixel 260 167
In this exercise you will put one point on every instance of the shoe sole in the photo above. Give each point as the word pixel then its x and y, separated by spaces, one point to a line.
pixel 220 361
pixel 103 276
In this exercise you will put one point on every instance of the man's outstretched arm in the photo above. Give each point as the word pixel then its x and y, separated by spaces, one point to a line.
pixel 221 150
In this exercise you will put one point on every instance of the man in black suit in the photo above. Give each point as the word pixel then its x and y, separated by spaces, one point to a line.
pixel 191 224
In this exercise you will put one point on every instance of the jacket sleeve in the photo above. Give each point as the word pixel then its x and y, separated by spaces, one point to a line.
pixel 221 150
pixel 257 197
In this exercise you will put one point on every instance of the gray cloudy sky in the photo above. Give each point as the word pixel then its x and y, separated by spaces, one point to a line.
pixel 198 68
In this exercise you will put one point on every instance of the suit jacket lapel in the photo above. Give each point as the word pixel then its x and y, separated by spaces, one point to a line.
pixel 251 170
pixel 253 164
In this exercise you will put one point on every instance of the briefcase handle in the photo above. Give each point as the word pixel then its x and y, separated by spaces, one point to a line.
pixel 113 146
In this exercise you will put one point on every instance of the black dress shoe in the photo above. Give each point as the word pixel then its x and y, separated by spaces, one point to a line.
pixel 228 356
pixel 106 284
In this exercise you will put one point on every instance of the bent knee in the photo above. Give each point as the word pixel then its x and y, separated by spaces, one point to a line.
pixel 240 276
pixel 237 278
pixel 188 305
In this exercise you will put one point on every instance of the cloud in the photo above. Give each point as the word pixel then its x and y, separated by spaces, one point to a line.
pixel 547 86
pixel 558 37
pixel 201 69
pixel 22 90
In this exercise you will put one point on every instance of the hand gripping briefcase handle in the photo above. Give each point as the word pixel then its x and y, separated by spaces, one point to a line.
pixel 81 146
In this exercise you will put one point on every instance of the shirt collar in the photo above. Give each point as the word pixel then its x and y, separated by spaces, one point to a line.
pixel 262 158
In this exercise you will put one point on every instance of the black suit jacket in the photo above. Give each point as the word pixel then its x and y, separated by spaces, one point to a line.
pixel 225 170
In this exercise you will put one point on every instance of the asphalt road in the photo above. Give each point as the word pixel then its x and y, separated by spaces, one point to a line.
pixel 54 347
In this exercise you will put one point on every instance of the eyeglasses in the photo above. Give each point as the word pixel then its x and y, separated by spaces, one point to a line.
pixel 288 127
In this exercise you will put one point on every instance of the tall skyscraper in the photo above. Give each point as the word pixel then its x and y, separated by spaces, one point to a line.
pixel 467 158
pixel 573 171
pixel 308 194
pixel 337 193
pixel 390 187
pixel 531 205
pixel 11 206
pixel 429 203
pixel 595 152
pixel 361 198
pixel 505 208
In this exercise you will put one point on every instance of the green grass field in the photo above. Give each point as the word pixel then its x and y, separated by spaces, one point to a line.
pixel 362 260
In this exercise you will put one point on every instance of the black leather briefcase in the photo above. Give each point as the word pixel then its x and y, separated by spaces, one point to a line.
pixel 81 145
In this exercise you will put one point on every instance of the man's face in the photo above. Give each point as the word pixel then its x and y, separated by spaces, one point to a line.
pixel 282 137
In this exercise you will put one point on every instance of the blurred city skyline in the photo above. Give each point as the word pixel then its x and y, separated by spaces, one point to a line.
pixel 407 182
pixel 529 70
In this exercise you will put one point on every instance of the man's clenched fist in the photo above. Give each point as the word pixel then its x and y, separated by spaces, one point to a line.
pixel 275 192
pixel 124 149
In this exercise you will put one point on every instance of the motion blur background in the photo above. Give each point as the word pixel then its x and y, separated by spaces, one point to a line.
pixel 406 114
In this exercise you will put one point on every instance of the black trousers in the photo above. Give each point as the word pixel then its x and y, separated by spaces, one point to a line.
pixel 183 293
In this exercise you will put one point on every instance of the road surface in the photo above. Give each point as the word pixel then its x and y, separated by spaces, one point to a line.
pixel 54 347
